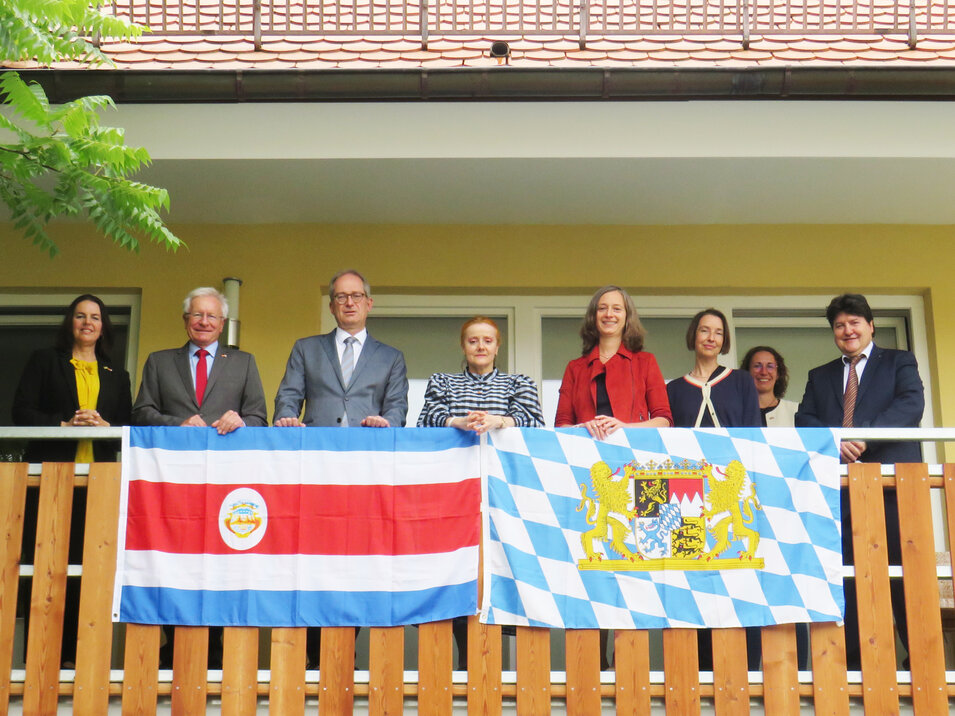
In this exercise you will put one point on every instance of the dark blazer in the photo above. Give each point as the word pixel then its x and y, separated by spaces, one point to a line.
pixel 890 396
pixel 46 396
pixel 313 376
pixel 167 395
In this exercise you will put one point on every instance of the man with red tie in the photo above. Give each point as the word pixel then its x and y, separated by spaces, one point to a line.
pixel 202 383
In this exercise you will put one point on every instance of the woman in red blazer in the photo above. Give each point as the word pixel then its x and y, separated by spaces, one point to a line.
pixel 615 383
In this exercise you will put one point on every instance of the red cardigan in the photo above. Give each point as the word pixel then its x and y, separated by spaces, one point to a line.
pixel 634 384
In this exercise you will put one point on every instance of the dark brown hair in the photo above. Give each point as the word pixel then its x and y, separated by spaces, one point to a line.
pixel 695 323
pixel 64 336
pixel 782 372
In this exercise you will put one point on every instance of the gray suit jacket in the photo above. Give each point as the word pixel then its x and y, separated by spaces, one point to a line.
pixel 167 395
pixel 313 376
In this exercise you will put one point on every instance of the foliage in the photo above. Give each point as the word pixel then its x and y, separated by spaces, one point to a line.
pixel 61 162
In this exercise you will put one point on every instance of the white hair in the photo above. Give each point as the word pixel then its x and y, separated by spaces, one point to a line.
pixel 205 291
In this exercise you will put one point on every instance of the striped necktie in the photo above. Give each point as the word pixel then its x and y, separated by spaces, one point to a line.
pixel 852 391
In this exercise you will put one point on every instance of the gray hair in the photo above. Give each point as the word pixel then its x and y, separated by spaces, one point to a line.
pixel 346 272
pixel 205 291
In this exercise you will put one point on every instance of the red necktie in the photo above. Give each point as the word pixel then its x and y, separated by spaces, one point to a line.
pixel 852 391
pixel 202 375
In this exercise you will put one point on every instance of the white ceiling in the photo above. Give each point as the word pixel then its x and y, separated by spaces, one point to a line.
pixel 546 162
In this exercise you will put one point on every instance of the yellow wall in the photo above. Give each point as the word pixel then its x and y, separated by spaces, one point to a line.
pixel 284 267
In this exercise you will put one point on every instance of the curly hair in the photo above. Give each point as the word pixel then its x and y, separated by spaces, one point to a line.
pixel 782 372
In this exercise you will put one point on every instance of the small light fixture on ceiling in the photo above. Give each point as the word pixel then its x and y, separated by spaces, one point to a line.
pixel 501 51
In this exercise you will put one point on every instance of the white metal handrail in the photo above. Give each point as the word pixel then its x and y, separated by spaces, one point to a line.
pixel 426 19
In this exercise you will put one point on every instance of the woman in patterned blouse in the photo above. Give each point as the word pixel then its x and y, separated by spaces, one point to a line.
pixel 480 398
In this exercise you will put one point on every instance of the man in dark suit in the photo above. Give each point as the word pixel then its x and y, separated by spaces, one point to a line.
pixel 884 392
pixel 346 377
pixel 201 384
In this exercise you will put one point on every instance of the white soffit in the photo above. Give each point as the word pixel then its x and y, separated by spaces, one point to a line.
pixel 548 162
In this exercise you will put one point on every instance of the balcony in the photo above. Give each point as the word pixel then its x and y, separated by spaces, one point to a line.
pixel 120 663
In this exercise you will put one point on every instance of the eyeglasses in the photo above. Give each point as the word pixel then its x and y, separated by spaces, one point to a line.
pixel 342 298
pixel 762 366
pixel 210 317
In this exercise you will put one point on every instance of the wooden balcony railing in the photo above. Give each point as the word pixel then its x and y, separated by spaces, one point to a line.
pixel 426 19
pixel 117 666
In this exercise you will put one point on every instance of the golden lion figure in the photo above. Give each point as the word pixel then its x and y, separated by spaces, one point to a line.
pixel 611 496
pixel 728 495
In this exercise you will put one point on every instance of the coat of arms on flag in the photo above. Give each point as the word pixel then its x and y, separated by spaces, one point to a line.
pixel 662 528
pixel 682 516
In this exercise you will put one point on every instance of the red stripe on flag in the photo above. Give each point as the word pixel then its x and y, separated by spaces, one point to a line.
pixel 310 519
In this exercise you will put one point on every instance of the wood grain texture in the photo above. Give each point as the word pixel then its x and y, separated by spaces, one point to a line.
pixel 632 671
pixel 780 670
pixel 582 649
pixel 484 669
pixel 830 687
pixel 240 659
pixel 336 688
pixel 922 606
pixel 47 600
pixel 190 664
pixel 287 678
pixel 730 675
pixel 13 490
pixel 877 637
pixel 435 655
pixel 533 670
pixel 681 672
pixel 95 632
pixel 141 670
pixel 386 663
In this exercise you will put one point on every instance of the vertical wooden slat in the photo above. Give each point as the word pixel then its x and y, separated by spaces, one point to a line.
pixel 583 671
pixel 533 670
pixel 484 669
pixel 830 687
pixel 877 638
pixel 95 632
pixel 287 678
pixel 681 671
pixel 434 668
pixel 48 598
pixel 336 688
pixel 13 490
pixel 780 670
pixel 141 670
pixel 190 664
pixel 386 662
pixel 926 652
pixel 631 648
pixel 730 675
pixel 240 659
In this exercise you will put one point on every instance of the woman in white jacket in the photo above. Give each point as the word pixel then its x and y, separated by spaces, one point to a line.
pixel 769 373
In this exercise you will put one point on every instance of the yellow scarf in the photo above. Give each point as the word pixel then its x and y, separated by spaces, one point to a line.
pixel 87 391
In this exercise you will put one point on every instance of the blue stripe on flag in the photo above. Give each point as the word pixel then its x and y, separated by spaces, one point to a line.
pixel 329 439
pixel 158 605
pixel 544 445
pixel 520 470
pixel 499 495
pixel 527 566
pixel 504 591
pixel 549 542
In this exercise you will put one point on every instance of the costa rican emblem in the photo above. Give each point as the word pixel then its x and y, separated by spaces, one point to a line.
pixel 243 518
pixel 691 515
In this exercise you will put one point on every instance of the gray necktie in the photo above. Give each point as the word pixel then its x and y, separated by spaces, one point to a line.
pixel 348 359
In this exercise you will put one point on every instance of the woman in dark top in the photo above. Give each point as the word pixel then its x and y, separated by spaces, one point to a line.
pixel 711 395
pixel 72 384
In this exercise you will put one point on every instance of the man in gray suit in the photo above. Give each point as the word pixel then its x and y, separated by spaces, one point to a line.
pixel 346 377
pixel 200 384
